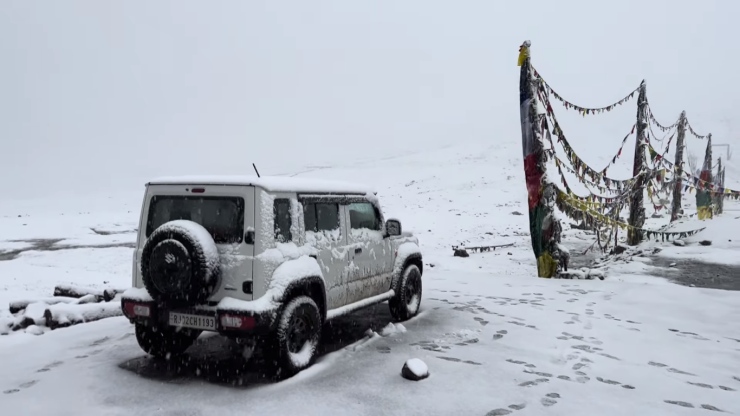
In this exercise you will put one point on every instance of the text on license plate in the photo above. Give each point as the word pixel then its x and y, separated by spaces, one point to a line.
pixel 192 321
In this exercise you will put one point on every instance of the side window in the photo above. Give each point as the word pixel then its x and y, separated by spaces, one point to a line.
pixel 321 216
pixel 364 215
pixel 282 220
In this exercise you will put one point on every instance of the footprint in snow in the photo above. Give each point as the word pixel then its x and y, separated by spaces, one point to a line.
pixel 679 403
pixel 607 381
pixel 710 407
pixel 481 321
pixel 677 371
pixel 533 382
pixel 547 402
pixel 498 412
pixel 517 406
pixel 100 341
pixel 538 373
pixel 457 360
pixel 702 385
pixel 21 386
pixel 726 388
pixel 384 350
pixel 48 367
pixel 603 354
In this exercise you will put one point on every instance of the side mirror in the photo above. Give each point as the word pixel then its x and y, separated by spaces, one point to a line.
pixel 393 228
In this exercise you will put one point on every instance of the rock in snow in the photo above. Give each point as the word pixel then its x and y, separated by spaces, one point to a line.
pixel 415 370
pixel 679 243
pixel 459 252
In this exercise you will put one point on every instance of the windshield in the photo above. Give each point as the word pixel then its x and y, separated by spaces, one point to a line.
pixel 223 217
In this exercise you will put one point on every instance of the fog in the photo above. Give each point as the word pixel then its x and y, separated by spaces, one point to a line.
pixel 98 96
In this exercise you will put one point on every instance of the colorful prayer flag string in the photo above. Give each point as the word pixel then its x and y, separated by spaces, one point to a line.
pixel 583 110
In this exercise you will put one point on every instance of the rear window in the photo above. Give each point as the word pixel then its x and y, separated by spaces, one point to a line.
pixel 321 216
pixel 223 217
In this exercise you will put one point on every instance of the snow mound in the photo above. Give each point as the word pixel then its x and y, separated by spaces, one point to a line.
pixel 391 329
pixel 137 294
pixel 34 330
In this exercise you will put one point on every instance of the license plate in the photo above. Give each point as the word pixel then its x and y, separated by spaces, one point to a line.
pixel 193 321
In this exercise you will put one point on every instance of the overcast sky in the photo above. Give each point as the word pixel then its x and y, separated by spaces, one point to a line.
pixel 104 94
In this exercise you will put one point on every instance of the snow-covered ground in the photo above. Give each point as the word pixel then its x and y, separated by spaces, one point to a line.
pixel 495 338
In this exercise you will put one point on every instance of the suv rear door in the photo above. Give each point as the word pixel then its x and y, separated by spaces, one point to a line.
pixel 323 218
pixel 227 212
pixel 369 250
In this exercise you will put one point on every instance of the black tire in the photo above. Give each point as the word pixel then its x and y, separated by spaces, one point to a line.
pixel 175 268
pixel 297 337
pixel 165 342
pixel 405 303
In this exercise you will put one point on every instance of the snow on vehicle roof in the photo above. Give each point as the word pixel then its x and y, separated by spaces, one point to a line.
pixel 269 183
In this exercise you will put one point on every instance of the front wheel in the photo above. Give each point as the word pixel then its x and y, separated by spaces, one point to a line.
pixel 298 335
pixel 405 303
pixel 165 342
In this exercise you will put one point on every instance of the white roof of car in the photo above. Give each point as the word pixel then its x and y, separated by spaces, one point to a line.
pixel 269 183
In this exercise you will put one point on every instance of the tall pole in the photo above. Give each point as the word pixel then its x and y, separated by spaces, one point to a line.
pixel 720 185
pixel 678 168
pixel 722 190
pixel 637 204
pixel 544 227
pixel 703 192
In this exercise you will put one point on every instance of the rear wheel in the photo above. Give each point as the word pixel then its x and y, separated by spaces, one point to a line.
pixel 405 303
pixel 165 342
pixel 298 335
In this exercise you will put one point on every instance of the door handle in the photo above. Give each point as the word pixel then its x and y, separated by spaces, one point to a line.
pixel 358 250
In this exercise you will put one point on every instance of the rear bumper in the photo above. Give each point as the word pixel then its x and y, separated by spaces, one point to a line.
pixel 228 322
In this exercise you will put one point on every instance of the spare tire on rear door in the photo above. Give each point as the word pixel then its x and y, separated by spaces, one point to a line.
pixel 180 264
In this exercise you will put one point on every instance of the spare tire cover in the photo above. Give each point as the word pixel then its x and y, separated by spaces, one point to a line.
pixel 179 263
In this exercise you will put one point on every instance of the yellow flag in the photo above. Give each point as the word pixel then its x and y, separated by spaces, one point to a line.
pixel 523 53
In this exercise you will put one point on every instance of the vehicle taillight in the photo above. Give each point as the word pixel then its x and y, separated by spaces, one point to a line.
pixel 136 310
pixel 237 322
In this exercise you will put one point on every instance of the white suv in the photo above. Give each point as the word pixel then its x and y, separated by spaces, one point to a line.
pixel 264 258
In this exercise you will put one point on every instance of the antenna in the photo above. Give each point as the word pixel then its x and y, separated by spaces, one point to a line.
pixel 255 169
